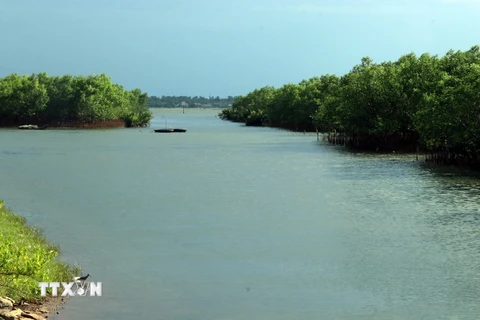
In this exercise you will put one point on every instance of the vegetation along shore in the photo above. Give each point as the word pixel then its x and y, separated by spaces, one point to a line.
pixel 27 258
pixel 70 101
pixel 426 102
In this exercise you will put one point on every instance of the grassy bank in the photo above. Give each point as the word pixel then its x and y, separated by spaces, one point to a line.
pixel 27 258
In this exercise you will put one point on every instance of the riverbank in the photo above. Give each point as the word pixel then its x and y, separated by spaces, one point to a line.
pixel 27 258
pixel 37 310
pixel 71 124
pixel 94 125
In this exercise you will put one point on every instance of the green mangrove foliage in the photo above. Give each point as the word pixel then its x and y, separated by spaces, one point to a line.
pixel 429 100
pixel 26 259
pixel 38 98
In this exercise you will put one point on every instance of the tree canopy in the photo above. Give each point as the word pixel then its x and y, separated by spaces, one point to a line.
pixel 38 98
pixel 434 98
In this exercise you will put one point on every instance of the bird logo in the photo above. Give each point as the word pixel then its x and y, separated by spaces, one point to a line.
pixel 82 287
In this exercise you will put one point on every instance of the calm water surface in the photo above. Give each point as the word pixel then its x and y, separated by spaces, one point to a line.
pixel 228 222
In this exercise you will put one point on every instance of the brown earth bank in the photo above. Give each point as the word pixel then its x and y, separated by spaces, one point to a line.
pixel 81 124
pixel 68 124
pixel 37 310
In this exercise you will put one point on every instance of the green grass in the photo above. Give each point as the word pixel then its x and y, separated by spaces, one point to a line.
pixel 27 258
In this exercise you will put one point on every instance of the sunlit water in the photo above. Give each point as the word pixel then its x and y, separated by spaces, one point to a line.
pixel 228 222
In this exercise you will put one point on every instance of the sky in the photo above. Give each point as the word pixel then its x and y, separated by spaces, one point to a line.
pixel 222 47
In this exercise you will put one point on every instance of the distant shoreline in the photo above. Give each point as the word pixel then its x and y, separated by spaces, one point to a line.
pixel 180 108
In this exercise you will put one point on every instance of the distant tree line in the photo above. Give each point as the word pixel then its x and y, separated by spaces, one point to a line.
pixel 422 100
pixel 189 102
pixel 39 98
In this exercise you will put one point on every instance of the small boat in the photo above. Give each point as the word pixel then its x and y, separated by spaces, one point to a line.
pixel 164 130
pixel 168 130
pixel 31 127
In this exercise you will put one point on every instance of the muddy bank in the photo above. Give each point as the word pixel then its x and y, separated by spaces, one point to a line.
pixel 37 310
pixel 69 124
pixel 93 125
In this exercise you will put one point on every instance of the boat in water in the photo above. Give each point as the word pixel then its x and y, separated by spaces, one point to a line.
pixel 169 130
pixel 163 130
pixel 31 127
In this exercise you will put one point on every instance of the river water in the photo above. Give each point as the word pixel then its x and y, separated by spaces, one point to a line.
pixel 229 222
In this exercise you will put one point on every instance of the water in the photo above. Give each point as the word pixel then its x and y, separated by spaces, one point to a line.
pixel 228 222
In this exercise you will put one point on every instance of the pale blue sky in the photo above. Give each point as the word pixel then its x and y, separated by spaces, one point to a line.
pixel 220 47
